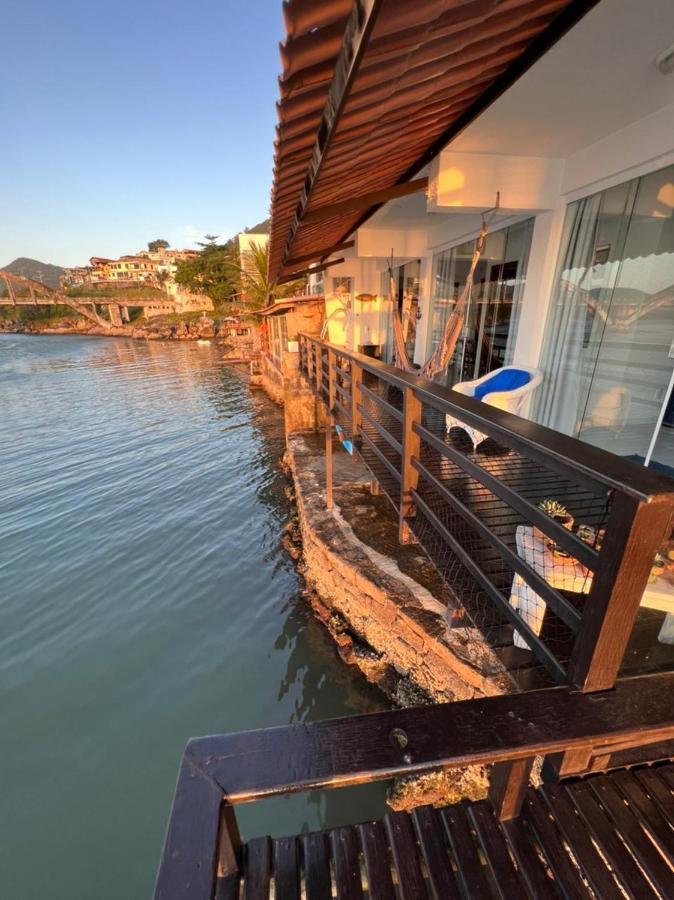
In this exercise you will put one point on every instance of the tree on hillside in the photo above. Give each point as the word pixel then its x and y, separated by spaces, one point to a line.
pixel 209 240
pixel 220 273
pixel 213 272
pixel 159 244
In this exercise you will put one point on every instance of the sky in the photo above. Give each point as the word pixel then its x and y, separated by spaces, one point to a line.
pixel 123 122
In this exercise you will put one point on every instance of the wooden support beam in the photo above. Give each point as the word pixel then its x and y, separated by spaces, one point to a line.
pixel 320 254
pixel 508 782
pixel 365 201
pixel 310 270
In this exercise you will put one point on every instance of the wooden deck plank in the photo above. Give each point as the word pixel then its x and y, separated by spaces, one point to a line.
pixel 257 868
pixel 531 868
pixel 406 856
pixel 316 866
pixel 551 842
pixel 287 875
pixel 435 853
pixel 377 861
pixel 470 871
pixel 604 833
pixel 647 811
pixel 347 863
pixel 658 789
pixel 627 824
pixel 228 888
pixel 593 865
pixel 506 879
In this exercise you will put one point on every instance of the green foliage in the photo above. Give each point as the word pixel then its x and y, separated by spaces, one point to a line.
pixel 256 289
pixel 159 244
pixel 38 315
pixel 213 272
pixel 218 273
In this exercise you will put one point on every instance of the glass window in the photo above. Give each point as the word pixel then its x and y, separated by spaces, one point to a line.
pixel 341 284
pixel 278 338
pixel 607 354
pixel 490 328
pixel 402 285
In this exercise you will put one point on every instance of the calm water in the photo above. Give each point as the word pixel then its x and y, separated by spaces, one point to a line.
pixel 143 600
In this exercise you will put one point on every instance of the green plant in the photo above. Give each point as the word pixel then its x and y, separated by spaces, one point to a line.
pixel 554 509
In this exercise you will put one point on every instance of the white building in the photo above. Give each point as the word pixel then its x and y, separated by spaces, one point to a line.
pixel 577 277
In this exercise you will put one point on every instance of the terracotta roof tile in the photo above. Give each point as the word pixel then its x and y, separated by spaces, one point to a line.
pixel 421 67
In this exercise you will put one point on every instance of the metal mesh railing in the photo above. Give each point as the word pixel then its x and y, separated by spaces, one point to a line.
pixel 527 527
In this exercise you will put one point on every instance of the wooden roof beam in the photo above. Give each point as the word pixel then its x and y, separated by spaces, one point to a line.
pixel 365 201
pixel 302 272
pixel 357 32
pixel 320 254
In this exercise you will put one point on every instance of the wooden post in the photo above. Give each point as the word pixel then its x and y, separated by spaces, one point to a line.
pixel 409 477
pixel 229 843
pixel 356 401
pixel 318 369
pixel 508 782
pixel 329 423
pixel 634 532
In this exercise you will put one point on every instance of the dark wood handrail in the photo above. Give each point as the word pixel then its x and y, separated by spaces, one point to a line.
pixel 236 768
pixel 582 461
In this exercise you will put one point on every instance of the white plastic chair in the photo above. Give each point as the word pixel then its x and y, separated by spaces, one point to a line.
pixel 511 399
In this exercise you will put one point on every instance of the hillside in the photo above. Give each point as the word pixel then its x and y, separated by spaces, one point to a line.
pixel 38 271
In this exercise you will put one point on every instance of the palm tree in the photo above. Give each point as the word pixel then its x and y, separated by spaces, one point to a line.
pixel 256 289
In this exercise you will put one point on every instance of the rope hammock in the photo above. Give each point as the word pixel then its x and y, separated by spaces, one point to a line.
pixel 442 354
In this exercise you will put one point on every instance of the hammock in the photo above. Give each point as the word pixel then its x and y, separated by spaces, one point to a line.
pixel 442 354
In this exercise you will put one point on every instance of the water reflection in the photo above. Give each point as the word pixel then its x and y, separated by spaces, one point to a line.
pixel 145 600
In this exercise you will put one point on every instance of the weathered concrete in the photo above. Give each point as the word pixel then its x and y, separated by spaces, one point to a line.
pixel 385 600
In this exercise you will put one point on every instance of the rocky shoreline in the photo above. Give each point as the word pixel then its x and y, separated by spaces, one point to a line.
pixel 238 348
pixel 201 329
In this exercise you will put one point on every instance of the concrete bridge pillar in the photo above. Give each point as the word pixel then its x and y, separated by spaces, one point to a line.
pixel 125 314
pixel 115 313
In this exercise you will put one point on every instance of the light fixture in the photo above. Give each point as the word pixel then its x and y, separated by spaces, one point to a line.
pixel 664 61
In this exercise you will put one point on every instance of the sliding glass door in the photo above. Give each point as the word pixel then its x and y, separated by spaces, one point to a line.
pixel 608 355
pixel 488 337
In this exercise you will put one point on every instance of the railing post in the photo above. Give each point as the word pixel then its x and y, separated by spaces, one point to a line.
pixel 409 477
pixel 635 531
pixel 508 782
pixel 229 843
pixel 356 400
pixel 329 422
pixel 318 370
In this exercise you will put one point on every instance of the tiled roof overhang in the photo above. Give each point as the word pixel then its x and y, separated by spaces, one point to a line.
pixel 371 91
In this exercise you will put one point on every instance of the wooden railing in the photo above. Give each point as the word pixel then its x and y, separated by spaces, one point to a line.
pixel 572 602
pixel 201 856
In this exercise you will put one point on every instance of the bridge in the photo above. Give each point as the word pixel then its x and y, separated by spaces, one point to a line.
pixel 20 291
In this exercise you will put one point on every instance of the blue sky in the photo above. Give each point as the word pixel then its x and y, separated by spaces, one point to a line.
pixel 123 122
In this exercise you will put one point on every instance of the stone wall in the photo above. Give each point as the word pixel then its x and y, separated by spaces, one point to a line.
pixel 395 621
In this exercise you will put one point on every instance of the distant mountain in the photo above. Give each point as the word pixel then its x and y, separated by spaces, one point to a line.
pixel 261 228
pixel 45 273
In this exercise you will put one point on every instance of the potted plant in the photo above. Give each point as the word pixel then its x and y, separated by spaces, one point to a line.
pixel 560 514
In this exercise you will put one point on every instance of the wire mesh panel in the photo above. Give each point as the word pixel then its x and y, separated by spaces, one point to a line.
pixel 521 523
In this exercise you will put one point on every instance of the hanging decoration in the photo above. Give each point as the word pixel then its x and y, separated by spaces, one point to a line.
pixel 443 353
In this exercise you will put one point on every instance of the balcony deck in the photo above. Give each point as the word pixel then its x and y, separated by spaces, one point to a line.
pixel 528 479
pixel 469 506
pixel 608 834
